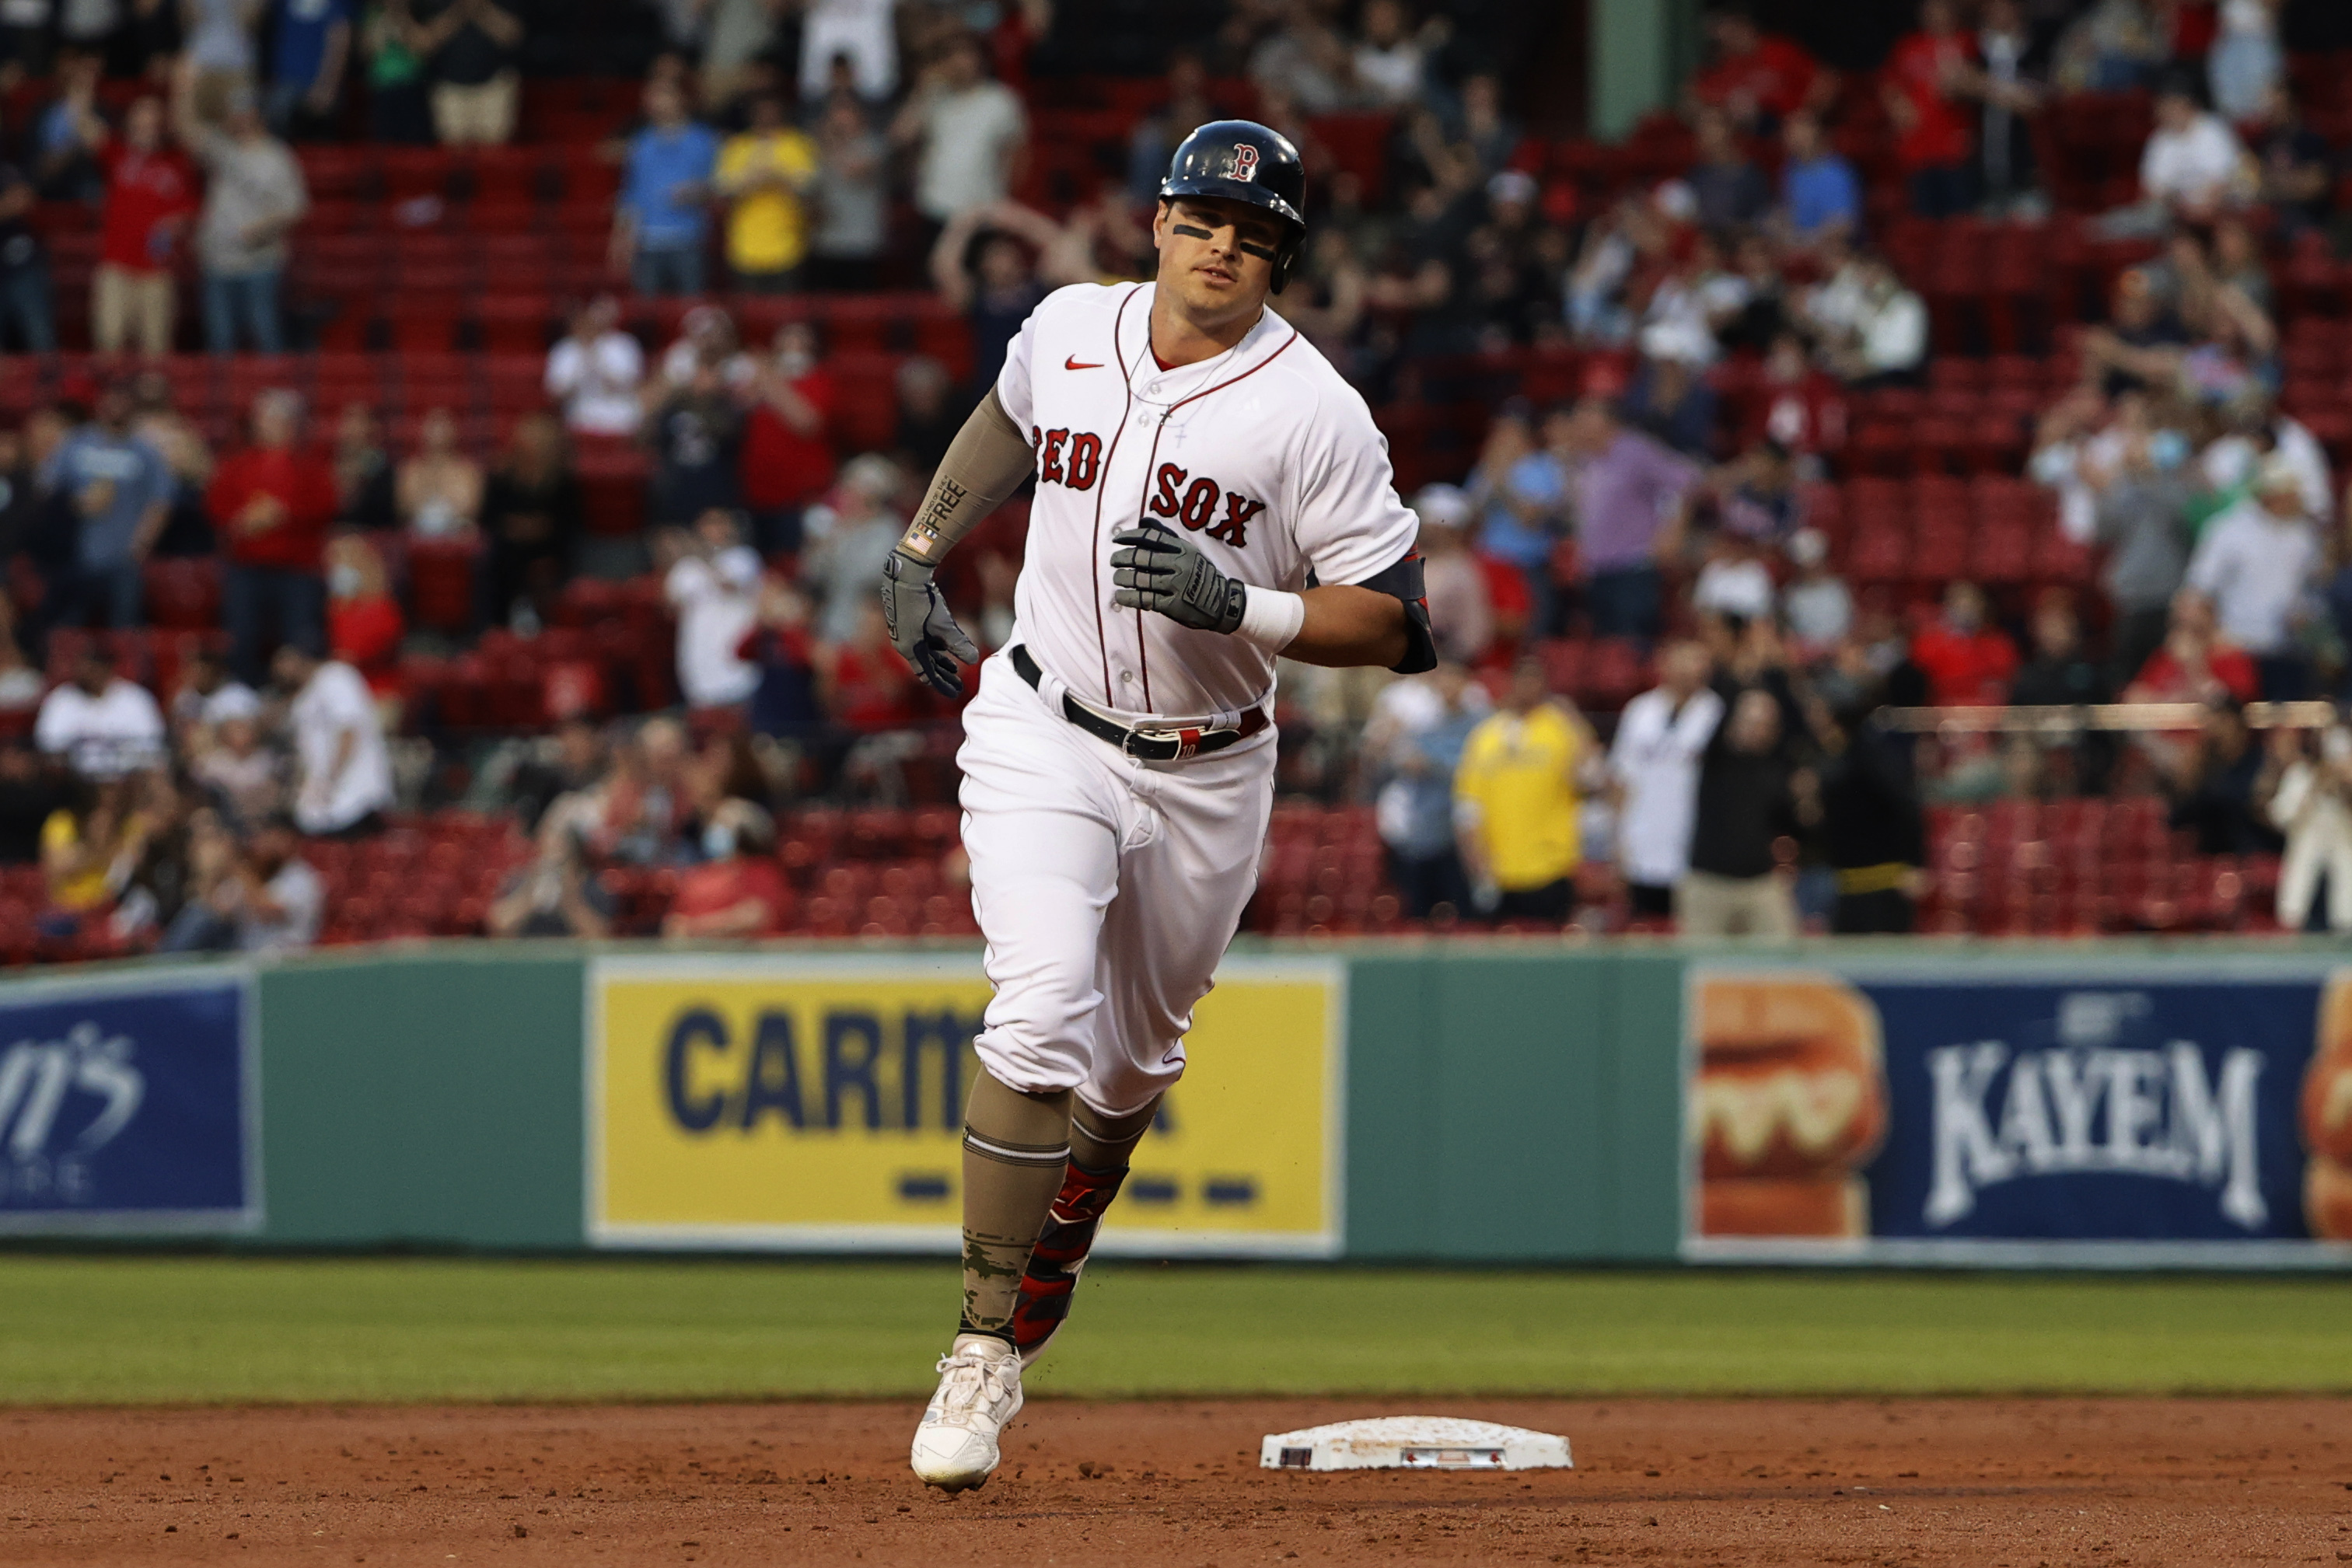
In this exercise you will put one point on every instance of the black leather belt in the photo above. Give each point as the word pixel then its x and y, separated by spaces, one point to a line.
pixel 1174 745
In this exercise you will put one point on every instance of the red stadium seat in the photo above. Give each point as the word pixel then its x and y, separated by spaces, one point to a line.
pixel 612 491
pixel 441 584
pixel 515 323
pixel 588 179
pixel 1879 554
pixel 184 592
pixel 2058 560
pixel 1617 672
pixel 1564 664
pixel 249 375
pixel 409 173
pixel 866 414
pixel 511 176
pixel 336 173
pixel 1939 554
pixel 1995 443
pixel 2003 553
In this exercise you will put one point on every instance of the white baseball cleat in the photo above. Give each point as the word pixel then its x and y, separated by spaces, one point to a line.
pixel 979 1395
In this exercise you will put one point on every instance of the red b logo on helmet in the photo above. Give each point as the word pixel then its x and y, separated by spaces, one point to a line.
pixel 1244 161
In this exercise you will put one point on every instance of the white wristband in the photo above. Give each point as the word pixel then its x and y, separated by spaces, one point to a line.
pixel 1270 618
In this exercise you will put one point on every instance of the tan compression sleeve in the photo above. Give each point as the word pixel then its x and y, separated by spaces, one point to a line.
pixel 986 462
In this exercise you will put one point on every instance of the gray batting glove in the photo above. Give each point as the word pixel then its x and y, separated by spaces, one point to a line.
pixel 1157 568
pixel 925 634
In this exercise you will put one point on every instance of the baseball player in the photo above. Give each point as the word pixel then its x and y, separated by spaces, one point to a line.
pixel 1209 494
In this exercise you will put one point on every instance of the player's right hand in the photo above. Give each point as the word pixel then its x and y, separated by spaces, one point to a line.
pixel 925 634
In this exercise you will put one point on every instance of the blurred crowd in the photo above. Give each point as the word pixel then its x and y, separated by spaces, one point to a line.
pixel 193 826
pixel 763 548
pixel 1736 317
pixel 1729 319
pixel 1746 794
pixel 180 826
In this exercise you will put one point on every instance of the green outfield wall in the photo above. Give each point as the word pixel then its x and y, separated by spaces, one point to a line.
pixel 1512 1102
pixel 429 1097
pixel 1501 1105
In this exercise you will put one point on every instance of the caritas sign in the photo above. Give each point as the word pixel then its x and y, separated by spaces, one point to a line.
pixel 1961 1112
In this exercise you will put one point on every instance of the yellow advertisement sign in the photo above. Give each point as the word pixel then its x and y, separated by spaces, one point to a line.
pixel 809 1101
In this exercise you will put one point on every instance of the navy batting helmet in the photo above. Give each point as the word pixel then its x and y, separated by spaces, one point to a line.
pixel 1241 161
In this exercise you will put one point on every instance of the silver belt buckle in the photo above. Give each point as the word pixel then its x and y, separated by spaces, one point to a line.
pixel 1187 741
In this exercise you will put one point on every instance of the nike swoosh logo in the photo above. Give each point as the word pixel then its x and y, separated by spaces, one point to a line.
pixel 1074 364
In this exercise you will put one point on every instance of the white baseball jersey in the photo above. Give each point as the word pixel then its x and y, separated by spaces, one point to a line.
pixel 1262 457
pixel 1108 886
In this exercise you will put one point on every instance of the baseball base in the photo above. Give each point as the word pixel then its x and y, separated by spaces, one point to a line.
pixel 1415 1443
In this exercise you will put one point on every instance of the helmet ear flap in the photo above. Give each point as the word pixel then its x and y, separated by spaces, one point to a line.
pixel 1285 256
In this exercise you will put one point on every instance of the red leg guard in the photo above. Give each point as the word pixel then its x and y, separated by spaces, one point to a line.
pixel 1060 1254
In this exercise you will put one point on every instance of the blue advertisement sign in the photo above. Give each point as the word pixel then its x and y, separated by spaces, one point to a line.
pixel 128 1104
pixel 1960 1112
pixel 2157 1111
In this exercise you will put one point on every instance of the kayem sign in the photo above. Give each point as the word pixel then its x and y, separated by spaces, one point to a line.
pixel 1971 1112
pixel 814 1102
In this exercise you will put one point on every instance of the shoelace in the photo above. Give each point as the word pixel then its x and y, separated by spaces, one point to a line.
pixel 963 1394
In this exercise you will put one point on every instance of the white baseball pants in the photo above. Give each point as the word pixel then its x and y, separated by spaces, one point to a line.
pixel 1107 888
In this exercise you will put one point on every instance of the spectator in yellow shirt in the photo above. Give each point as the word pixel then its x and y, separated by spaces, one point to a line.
pixel 1515 796
pixel 766 172
pixel 89 849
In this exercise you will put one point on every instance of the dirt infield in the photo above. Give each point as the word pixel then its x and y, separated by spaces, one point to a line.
pixel 1175 1485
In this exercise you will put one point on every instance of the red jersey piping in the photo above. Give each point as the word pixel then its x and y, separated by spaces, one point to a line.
pixel 1142 644
pixel 1127 387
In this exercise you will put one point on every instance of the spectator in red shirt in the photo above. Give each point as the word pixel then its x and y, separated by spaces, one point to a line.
pixel 786 704
pixel 740 890
pixel 364 624
pixel 1967 662
pixel 271 505
pixel 151 195
pixel 1514 601
pixel 1923 86
pixel 1756 76
pixel 1798 405
pixel 788 457
pixel 868 688
pixel 2194 662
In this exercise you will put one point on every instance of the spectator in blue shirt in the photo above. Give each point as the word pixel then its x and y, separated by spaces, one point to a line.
pixel 1819 196
pixel 119 491
pixel 1520 491
pixel 59 155
pixel 312 46
pixel 664 219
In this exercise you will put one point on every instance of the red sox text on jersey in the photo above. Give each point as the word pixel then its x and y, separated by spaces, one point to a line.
pixel 1175 493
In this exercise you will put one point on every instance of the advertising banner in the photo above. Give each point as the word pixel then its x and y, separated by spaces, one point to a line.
pixel 815 1102
pixel 128 1104
pixel 2106 1111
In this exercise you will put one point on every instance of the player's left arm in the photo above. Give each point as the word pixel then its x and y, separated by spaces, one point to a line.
pixel 1354 531
pixel 1365 602
pixel 1384 622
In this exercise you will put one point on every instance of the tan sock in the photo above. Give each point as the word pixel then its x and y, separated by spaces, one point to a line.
pixel 1102 1142
pixel 1014 1148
